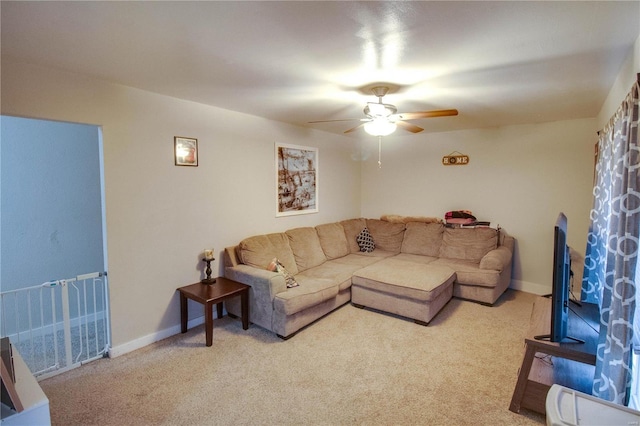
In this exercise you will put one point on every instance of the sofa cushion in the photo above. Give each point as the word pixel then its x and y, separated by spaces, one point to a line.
pixel 418 258
pixel 377 254
pixel 468 243
pixel 469 273
pixel 352 228
pixel 311 292
pixel 423 238
pixel 333 240
pixel 259 251
pixel 339 272
pixel 306 247
pixel 412 280
pixel 387 235
pixel 359 260
pixel 365 241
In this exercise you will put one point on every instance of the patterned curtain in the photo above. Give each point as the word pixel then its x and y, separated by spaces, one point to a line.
pixel 611 261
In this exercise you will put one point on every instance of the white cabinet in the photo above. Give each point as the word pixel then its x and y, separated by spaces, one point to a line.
pixel 33 399
pixel 568 407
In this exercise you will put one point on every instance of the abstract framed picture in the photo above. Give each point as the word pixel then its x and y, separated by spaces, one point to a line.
pixel 185 151
pixel 296 179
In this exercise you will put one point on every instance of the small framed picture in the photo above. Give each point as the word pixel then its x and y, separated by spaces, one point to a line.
pixel 185 151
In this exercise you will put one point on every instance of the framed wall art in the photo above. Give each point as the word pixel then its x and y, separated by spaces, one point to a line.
pixel 296 180
pixel 185 151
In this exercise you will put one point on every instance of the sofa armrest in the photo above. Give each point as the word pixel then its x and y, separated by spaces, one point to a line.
pixel 265 284
pixel 497 259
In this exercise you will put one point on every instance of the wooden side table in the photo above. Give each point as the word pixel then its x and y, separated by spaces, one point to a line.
pixel 210 294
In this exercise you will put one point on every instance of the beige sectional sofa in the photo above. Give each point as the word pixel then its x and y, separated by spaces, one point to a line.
pixel 414 264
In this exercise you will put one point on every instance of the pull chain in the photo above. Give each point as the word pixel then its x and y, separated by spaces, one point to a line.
pixel 379 152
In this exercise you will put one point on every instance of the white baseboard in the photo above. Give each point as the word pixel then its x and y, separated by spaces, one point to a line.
pixel 152 338
pixel 529 287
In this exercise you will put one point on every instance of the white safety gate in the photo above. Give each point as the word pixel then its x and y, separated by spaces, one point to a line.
pixel 58 325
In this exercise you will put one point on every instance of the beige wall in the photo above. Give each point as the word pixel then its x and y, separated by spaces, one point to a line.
pixel 626 77
pixel 519 177
pixel 160 217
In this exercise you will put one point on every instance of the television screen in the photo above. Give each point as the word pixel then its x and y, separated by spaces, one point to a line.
pixel 561 282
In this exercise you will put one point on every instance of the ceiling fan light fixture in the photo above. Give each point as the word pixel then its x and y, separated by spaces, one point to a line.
pixel 373 109
pixel 382 119
pixel 380 127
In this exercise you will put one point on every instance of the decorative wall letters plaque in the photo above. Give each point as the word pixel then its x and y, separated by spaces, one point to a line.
pixel 455 159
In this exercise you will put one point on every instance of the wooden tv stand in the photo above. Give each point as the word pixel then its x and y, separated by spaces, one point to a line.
pixel 571 365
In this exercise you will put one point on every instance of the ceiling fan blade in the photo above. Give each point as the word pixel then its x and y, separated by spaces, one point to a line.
pixel 426 114
pixel 353 129
pixel 409 127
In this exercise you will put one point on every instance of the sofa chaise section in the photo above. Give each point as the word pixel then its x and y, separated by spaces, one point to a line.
pixel 414 290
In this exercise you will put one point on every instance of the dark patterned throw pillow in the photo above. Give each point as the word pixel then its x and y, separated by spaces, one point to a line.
pixel 365 241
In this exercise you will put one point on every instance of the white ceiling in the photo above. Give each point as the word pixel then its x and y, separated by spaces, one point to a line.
pixel 498 63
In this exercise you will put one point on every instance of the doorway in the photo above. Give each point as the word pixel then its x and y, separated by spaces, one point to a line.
pixel 52 239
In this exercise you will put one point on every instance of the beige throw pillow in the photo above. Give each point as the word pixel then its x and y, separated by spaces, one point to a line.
pixel 276 266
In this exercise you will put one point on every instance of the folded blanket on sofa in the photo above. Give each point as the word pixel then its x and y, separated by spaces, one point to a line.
pixel 393 218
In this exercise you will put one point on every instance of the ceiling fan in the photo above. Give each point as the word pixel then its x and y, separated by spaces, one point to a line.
pixel 382 119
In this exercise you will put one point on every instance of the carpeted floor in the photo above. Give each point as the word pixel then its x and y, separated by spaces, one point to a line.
pixel 45 353
pixel 352 367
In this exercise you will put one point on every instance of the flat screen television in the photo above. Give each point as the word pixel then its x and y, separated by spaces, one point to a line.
pixel 560 286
